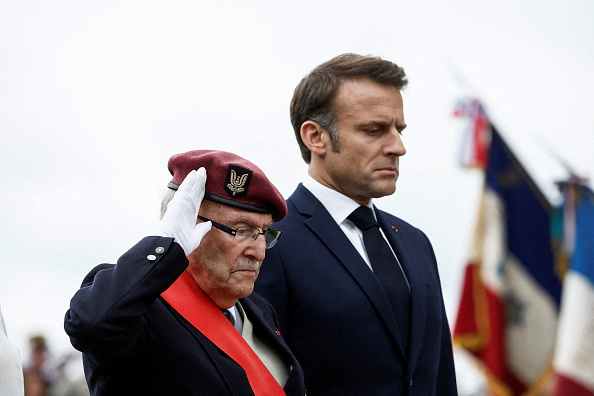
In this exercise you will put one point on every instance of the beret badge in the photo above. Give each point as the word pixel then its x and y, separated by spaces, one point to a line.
pixel 239 181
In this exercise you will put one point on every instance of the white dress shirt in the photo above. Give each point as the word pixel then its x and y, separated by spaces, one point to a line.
pixel 267 354
pixel 340 207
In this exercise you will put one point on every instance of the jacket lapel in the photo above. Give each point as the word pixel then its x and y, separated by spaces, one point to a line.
pixel 321 224
pixel 272 335
pixel 262 326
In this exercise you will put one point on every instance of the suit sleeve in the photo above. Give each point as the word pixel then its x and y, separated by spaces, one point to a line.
pixel 107 319
pixel 446 376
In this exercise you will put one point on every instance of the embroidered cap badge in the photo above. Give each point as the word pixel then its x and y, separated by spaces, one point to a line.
pixel 239 181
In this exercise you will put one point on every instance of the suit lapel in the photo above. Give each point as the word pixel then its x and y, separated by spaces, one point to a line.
pixel 406 248
pixel 262 326
pixel 329 233
pixel 272 335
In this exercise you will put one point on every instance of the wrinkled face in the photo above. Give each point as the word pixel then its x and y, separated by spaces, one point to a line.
pixel 224 269
pixel 370 119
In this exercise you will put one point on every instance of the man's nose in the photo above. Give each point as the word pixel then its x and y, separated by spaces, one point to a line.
pixel 257 249
pixel 394 145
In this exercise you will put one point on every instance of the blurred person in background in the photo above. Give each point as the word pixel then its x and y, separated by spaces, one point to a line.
pixel 38 371
pixel 35 384
pixel 48 375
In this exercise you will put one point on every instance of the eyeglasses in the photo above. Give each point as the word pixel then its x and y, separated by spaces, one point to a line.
pixel 242 234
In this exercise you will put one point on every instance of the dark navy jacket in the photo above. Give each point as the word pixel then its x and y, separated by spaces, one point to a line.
pixel 134 343
pixel 336 317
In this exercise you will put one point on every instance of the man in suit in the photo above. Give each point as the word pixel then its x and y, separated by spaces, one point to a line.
pixel 176 314
pixel 360 305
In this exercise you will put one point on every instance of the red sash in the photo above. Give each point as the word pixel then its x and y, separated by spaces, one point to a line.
pixel 196 307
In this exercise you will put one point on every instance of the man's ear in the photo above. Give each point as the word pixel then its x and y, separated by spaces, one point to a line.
pixel 315 138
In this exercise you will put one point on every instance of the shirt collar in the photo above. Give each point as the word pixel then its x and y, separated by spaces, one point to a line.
pixel 338 205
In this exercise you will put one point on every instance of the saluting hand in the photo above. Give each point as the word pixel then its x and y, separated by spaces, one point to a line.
pixel 179 221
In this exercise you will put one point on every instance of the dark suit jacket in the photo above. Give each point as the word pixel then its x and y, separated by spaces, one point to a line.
pixel 134 343
pixel 336 317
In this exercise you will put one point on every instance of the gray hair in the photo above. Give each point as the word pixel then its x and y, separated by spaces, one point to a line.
pixel 167 197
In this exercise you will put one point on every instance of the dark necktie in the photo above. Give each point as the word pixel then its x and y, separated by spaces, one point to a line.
pixel 229 316
pixel 386 269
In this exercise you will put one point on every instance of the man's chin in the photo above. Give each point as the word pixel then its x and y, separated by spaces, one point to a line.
pixel 244 287
pixel 384 191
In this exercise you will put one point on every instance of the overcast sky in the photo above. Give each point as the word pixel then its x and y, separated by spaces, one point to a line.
pixel 95 96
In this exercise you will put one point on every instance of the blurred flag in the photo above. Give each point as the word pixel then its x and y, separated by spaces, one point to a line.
pixel 475 145
pixel 573 232
pixel 510 299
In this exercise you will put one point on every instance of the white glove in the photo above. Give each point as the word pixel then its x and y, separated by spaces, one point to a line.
pixel 180 218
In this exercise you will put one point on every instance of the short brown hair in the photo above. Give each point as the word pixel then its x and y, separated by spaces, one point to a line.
pixel 313 98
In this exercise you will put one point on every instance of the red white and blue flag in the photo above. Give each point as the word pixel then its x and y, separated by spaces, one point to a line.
pixel 573 232
pixel 475 145
pixel 509 306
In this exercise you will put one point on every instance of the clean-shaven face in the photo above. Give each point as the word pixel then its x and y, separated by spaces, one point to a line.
pixel 370 119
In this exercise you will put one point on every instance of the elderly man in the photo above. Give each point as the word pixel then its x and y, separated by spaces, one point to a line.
pixel 173 316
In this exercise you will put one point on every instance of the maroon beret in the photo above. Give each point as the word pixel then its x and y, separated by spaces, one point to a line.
pixel 230 180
